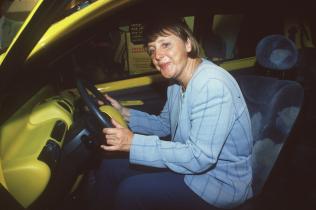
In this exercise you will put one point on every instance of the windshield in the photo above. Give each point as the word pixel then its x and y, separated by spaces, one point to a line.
pixel 12 15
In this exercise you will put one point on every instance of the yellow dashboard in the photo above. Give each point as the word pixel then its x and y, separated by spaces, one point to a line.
pixel 30 145
pixel 32 139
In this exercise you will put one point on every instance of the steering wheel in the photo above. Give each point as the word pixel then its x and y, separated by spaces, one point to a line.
pixel 83 86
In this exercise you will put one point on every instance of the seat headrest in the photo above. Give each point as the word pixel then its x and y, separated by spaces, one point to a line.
pixel 276 52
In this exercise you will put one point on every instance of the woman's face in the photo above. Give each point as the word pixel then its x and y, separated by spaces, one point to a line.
pixel 169 55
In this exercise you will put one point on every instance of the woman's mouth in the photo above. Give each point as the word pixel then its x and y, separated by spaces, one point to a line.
pixel 163 66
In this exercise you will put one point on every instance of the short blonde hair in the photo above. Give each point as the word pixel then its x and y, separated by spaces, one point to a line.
pixel 175 26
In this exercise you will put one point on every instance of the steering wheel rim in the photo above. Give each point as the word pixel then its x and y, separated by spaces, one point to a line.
pixel 83 86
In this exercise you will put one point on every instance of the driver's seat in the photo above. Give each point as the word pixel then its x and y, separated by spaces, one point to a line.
pixel 274 106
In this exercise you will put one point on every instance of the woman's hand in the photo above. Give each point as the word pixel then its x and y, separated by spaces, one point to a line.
pixel 117 138
pixel 118 106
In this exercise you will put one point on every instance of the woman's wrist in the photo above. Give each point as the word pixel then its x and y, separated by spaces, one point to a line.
pixel 125 113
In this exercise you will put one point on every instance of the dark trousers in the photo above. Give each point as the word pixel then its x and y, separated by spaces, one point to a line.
pixel 122 186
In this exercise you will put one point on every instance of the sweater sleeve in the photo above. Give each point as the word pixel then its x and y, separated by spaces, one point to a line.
pixel 211 120
pixel 144 123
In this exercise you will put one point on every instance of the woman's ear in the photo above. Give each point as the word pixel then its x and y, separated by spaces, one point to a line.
pixel 188 45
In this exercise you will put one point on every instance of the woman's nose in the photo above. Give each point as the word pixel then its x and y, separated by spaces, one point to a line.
pixel 158 54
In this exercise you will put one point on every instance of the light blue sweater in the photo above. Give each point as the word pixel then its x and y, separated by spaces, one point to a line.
pixel 211 137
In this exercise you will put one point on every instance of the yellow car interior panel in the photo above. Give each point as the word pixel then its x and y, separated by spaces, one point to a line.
pixel 130 83
pixel 2 180
pixel 239 64
pixel 132 102
pixel 27 138
pixel 26 179
pixel 19 119
pixel 2 56
pixel 124 85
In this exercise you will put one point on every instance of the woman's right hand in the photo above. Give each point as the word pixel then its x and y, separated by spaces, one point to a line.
pixel 118 106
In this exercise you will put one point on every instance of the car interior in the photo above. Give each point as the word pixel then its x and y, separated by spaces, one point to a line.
pixel 51 120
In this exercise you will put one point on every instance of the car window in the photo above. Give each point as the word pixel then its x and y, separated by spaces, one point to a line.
pixel 12 15
pixel 76 5
pixel 112 49
pixel 226 27
pixel 113 54
pixel 116 51
pixel 253 28
pixel 235 36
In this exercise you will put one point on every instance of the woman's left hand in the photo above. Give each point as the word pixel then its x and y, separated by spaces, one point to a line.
pixel 117 138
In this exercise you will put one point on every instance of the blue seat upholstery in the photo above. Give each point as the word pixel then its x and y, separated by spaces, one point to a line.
pixel 274 106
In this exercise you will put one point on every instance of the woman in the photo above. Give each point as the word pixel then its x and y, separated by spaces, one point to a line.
pixel 207 162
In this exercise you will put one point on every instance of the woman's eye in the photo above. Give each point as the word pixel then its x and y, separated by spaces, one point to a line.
pixel 150 51
pixel 165 45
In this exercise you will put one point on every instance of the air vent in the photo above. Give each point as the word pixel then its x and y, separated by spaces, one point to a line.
pixel 59 130
pixel 50 154
pixel 67 102
pixel 64 105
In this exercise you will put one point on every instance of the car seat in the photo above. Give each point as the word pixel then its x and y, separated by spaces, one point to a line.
pixel 274 106
pixel 276 55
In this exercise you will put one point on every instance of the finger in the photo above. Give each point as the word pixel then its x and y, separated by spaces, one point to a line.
pixel 109 148
pixel 109 98
pixel 116 124
pixel 100 102
pixel 109 130
pixel 111 137
pixel 110 142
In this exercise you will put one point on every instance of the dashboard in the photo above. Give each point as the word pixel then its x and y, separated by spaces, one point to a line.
pixel 31 144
